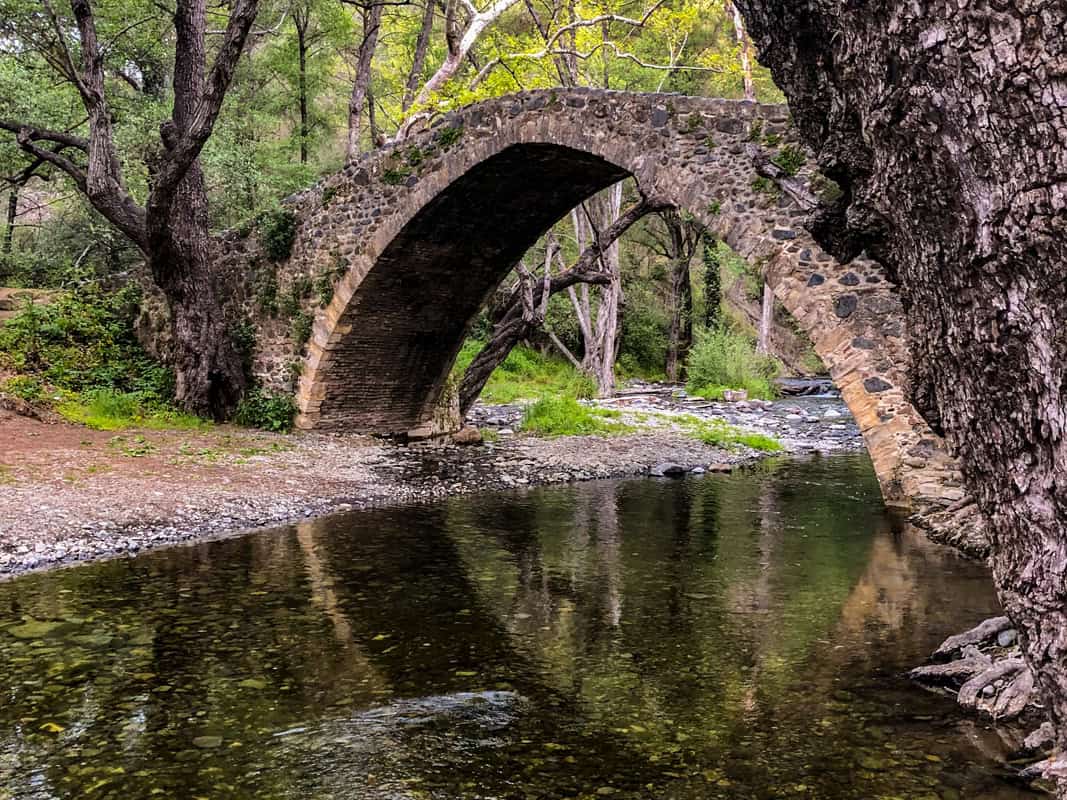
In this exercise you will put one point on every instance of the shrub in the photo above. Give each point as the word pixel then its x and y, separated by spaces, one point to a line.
pixel 269 411
pixel 84 341
pixel 790 158
pixel 724 359
pixel 277 230
pixel 561 415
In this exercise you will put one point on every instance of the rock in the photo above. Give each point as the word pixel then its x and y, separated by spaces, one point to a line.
pixel 207 742
pixel 734 395
pixel 667 469
pixel 698 470
pixel 467 436
pixel 831 413
pixel 721 468
pixel 1007 638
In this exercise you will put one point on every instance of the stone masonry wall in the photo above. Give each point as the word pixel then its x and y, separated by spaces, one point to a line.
pixel 411 239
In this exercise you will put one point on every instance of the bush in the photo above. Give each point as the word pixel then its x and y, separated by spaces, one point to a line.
pixel 269 411
pixel 277 230
pixel 724 359
pixel 560 415
pixel 525 374
pixel 84 341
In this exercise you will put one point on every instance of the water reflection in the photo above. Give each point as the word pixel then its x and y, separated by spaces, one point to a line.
pixel 733 636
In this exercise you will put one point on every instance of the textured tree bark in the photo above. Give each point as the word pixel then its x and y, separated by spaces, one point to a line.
pixel 12 215
pixel 301 20
pixel 766 317
pixel 422 45
pixel 945 124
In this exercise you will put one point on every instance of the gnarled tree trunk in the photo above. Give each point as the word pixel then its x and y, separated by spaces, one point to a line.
pixel 945 124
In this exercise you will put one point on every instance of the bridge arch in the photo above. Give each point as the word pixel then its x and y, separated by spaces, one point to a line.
pixel 419 234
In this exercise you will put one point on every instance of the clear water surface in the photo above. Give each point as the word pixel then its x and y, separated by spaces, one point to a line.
pixel 732 636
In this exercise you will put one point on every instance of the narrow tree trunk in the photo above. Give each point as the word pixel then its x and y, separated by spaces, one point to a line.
pixel 766 318
pixel 422 45
pixel 680 295
pixel 372 22
pixel 511 325
pixel 12 215
pixel 712 282
pixel 946 130
pixel 745 46
pixel 302 86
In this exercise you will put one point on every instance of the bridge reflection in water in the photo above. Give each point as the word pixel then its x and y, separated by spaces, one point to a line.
pixel 732 636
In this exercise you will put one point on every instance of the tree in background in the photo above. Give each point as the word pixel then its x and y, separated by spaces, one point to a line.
pixel 170 226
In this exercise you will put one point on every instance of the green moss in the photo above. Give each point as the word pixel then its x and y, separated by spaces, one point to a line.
pixel 394 176
pixel 446 137
pixel 765 186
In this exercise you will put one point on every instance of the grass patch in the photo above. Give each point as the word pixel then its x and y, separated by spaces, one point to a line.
pixel 724 359
pixel 720 433
pixel 526 375
pixel 559 415
pixel 108 410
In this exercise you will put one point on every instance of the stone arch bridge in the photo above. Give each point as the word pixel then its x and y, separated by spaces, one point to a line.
pixel 415 237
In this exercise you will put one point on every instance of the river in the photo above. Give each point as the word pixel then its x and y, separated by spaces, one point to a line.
pixel 733 636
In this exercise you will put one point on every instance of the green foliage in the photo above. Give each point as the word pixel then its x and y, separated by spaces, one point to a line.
pixel 83 341
pixel 301 330
pixel 269 411
pixel 719 433
pixel 447 137
pixel 526 374
pixel 267 292
pixel 394 176
pixel 722 358
pixel 828 190
pixel 790 158
pixel 765 186
pixel 277 230
pixel 562 415
pixel 243 334
pixel 24 387
pixel 108 410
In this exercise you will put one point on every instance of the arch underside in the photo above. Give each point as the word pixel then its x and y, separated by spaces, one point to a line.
pixel 414 307
pixel 425 230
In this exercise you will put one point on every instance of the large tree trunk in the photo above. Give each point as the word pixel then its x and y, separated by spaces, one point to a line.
pixel 209 371
pixel 945 124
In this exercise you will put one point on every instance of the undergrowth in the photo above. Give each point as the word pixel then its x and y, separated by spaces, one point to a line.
pixel 725 359
pixel 108 410
pixel 525 375
pixel 561 415
pixel 720 433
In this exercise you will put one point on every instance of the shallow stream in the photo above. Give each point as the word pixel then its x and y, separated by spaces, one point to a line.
pixel 733 636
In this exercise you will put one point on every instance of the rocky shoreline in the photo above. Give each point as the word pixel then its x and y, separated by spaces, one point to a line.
pixel 69 495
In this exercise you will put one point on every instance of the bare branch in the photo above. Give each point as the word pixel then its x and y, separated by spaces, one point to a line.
pixel 35 133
